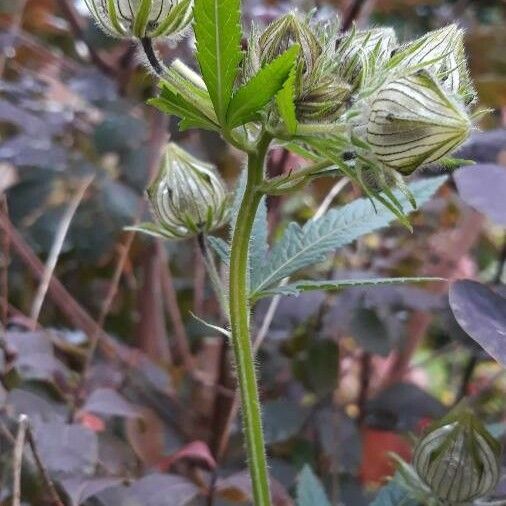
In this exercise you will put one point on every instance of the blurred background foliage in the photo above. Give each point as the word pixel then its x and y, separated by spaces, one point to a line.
pixel 345 378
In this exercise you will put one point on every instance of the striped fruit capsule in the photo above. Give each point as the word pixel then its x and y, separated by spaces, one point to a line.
pixel 188 197
pixel 414 122
pixel 459 461
pixel 442 53
pixel 141 18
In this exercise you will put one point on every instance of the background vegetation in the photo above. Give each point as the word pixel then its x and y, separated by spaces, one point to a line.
pixel 130 399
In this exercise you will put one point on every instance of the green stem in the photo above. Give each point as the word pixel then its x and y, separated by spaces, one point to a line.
pixel 239 321
pixel 286 183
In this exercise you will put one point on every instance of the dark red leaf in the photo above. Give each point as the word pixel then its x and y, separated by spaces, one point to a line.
pixel 482 314
pixel 195 451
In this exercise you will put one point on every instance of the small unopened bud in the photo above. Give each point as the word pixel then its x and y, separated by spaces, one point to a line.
pixel 285 32
pixel 360 52
pixel 141 18
pixel 442 53
pixel 414 122
pixel 188 197
pixel 458 461
pixel 324 101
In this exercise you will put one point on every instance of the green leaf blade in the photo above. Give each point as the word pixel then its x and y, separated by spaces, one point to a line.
pixel 181 97
pixel 340 284
pixel 261 88
pixel 394 494
pixel 310 491
pixel 285 100
pixel 218 34
pixel 173 104
pixel 310 244
pixel 221 248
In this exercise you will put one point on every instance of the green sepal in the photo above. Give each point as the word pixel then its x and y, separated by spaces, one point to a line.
pixel 152 230
pixel 170 23
pixel 141 18
pixel 113 16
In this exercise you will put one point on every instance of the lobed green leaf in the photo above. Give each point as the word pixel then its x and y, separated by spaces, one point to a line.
pixel 310 491
pixel 218 34
pixel 173 104
pixel 285 100
pixel 311 243
pixel 338 284
pixel 261 88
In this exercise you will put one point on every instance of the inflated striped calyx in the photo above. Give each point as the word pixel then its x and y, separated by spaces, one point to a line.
pixel 188 197
pixel 414 122
pixel 442 53
pixel 141 18
pixel 459 461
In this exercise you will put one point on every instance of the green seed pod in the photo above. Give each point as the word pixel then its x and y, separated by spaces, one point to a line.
pixel 285 32
pixel 458 461
pixel 442 53
pixel 141 18
pixel 414 122
pixel 360 53
pixel 188 197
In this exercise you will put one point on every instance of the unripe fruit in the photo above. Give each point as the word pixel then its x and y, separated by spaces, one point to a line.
pixel 458 461
pixel 188 197
pixel 414 122
pixel 141 18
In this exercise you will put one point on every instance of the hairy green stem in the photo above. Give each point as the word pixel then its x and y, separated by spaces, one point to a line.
pixel 287 182
pixel 239 321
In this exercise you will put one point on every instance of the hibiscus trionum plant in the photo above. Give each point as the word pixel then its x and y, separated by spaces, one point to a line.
pixel 357 104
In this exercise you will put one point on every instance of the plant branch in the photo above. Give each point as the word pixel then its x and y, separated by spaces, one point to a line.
pixel 25 434
pixel 107 304
pixel 4 267
pixel 55 498
pixel 172 307
pixel 240 326
pixel 56 247
pixel 17 461
pixel 78 316
pixel 333 193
